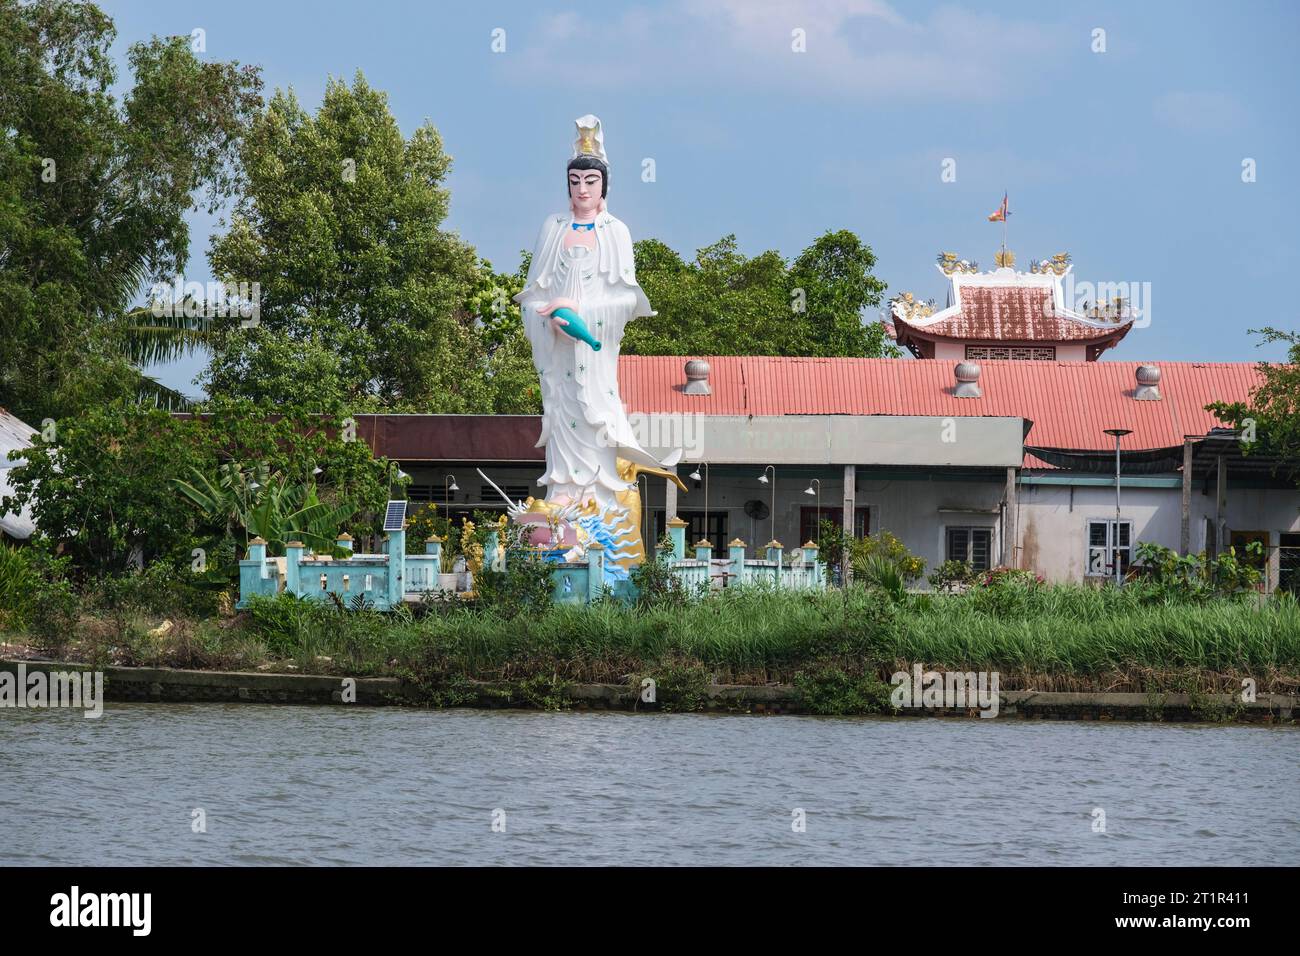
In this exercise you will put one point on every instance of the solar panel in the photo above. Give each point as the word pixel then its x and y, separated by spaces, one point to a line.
pixel 395 516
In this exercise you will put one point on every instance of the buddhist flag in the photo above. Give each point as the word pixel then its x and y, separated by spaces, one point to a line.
pixel 1002 213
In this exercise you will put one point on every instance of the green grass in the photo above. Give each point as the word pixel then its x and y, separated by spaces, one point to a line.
pixel 1047 638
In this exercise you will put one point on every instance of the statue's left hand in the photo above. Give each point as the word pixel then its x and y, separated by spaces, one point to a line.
pixel 560 303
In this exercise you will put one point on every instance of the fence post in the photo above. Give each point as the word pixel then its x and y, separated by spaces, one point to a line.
pixel 257 552
pixel 677 531
pixel 736 551
pixel 704 552
pixel 595 570
pixel 344 542
pixel 396 567
pixel 293 552
pixel 815 579
pixel 774 549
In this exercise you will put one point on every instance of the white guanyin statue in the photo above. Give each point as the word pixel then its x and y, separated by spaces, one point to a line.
pixel 580 294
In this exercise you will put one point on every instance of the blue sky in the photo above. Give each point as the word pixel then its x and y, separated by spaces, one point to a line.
pixel 1129 159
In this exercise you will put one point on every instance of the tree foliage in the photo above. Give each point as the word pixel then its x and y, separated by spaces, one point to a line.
pixel 101 488
pixel 722 303
pixel 1273 408
pixel 93 194
pixel 362 292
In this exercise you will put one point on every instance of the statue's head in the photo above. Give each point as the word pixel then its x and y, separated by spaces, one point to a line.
pixel 588 185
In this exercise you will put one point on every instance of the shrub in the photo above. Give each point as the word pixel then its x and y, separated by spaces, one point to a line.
pixel 282 620
pixel 526 586
pixel 679 687
pixel 832 691
pixel 17 582
pixel 53 615
pixel 877 571
pixel 1193 576
pixel 103 489
pixel 657 586
pixel 886 547
pixel 951 576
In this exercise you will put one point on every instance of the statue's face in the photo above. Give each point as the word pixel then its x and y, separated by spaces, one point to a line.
pixel 584 191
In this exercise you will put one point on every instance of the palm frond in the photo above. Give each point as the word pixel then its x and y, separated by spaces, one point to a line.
pixel 150 391
pixel 148 339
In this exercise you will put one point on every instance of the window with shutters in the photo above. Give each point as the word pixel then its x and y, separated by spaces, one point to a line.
pixel 1105 542
pixel 972 545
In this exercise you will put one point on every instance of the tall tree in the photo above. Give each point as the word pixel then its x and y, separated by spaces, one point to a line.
pixel 722 303
pixel 93 195
pixel 509 357
pixel 362 292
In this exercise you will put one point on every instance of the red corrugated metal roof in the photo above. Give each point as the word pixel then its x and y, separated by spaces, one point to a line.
pixel 1070 403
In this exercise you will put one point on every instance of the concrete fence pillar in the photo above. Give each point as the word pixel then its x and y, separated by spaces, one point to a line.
pixel 257 552
pixel 595 570
pixel 774 550
pixel 396 567
pixel 293 553
pixel 736 552
pixel 677 531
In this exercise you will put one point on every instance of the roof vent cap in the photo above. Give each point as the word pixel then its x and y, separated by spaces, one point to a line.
pixel 968 379
pixel 697 378
pixel 1148 383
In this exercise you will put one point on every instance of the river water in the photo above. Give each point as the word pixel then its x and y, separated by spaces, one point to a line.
pixel 341 785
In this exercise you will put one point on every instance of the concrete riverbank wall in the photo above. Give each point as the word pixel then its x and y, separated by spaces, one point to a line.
pixel 165 685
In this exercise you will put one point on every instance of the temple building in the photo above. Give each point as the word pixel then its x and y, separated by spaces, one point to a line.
pixel 1005 314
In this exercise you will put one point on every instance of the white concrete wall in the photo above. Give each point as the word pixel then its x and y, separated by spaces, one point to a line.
pixel 1053 520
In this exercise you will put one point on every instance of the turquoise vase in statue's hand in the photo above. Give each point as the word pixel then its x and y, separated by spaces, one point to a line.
pixel 575 327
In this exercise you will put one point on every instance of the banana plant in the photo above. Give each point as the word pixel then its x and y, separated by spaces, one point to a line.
pixel 227 500
pixel 262 503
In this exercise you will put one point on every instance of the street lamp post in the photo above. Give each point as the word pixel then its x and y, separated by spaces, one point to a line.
pixel 817 528
pixel 763 479
pixel 643 489
pixel 1118 433
pixel 695 476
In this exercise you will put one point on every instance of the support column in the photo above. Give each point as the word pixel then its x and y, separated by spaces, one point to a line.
pixel 1185 535
pixel 850 509
pixel 1220 508
pixel 1009 530
pixel 670 500
pixel 1273 562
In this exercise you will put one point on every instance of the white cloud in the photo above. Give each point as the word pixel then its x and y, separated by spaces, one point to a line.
pixel 861 49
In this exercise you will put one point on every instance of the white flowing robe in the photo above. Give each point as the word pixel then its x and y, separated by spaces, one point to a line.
pixel 584 424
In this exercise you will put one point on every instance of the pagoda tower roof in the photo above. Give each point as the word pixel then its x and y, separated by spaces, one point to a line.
pixel 1005 306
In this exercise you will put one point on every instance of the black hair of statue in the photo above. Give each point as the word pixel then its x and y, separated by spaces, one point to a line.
pixel 589 162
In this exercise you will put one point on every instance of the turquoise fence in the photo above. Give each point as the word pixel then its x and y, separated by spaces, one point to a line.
pixel 386 580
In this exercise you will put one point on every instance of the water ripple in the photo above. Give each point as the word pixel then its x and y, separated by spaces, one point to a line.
pixel 343 786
